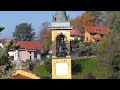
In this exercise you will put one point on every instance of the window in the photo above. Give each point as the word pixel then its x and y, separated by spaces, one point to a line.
pixel 87 38
pixel 30 57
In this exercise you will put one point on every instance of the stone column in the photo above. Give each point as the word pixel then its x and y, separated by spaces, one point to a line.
pixel 53 48
pixel 68 47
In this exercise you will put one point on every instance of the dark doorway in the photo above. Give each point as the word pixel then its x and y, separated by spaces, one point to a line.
pixel 61 48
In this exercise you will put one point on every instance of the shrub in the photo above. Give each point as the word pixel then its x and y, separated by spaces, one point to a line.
pixel 86 50
pixel 48 65
pixel 31 65
pixel 76 67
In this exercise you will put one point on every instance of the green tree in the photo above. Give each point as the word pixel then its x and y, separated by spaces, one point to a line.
pixel 76 67
pixel 108 52
pixel 116 24
pixel 24 32
pixel 110 17
pixel 48 65
pixel 4 56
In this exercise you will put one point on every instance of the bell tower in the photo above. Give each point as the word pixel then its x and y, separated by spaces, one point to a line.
pixel 61 60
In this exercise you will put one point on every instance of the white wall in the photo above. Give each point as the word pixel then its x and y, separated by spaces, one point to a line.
pixel 32 55
pixel 14 53
pixel 39 56
pixel 23 55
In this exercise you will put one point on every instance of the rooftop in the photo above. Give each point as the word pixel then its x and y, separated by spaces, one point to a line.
pixel 30 45
pixel 60 16
pixel 93 29
pixel 75 32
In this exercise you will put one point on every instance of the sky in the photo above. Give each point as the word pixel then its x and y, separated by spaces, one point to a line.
pixel 9 20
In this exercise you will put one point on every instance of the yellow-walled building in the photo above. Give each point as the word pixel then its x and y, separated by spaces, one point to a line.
pixel 95 33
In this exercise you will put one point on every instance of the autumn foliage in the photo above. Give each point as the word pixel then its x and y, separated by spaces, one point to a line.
pixel 86 19
pixel 45 35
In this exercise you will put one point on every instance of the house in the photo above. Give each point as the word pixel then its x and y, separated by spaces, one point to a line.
pixel 75 34
pixel 95 33
pixel 29 50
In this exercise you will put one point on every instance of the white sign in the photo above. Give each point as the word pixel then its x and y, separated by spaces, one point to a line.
pixel 61 69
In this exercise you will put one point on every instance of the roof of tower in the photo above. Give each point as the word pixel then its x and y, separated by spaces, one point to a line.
pixel 60 16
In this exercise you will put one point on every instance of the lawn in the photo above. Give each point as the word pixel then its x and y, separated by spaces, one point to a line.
pixel 40 71
pixel 91 65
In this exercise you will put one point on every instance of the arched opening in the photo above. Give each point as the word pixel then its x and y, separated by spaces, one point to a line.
pixel 61 49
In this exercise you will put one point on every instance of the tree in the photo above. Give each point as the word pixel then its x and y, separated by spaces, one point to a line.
pixel 99 17
pixel 24 32
pixel 87 19
pixel 110 17
pixel 76 67
pixel 4 56
pixel 116 24
pixel 48 65
pixel 108 53
pixel 45 35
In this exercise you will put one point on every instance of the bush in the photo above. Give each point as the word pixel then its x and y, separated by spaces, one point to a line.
pixel 76 67
pixel 86 50
pixel 48 65
pixel 6 74
pixel 31 65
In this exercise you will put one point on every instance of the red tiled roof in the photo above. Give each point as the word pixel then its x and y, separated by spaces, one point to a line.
pixel 30 45
pixel 92 29
pixel 75 32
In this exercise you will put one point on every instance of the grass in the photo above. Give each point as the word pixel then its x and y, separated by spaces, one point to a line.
pixel 91 65
pixel 40 71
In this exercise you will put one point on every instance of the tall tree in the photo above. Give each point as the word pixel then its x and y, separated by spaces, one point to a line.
pixel 45 35
pixel 108 52
pixel 110 17
pixel 99 17
pixel 24 32
pixel 4 56
pixel 116 24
